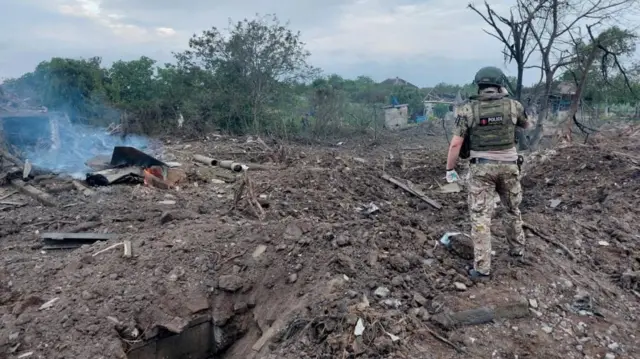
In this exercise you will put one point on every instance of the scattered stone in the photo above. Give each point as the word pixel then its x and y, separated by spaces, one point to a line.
pixel 397 281
pixel 166 217
pixel 566 284
pixel 372 259
pixel 460 286
pixel 292 232
pixel 259 251
pixel 382 292
pixel 420 237
pixel 175 274
pixel 175 325
pixel 392 303
pixel 399 263
pixel 167 202
pixel 418 298
pixel 240 307
pixel 613 346
pixel 547 329
pixel 86 295
pixel 610 356
pixel 428 262
pixel 292 278
pixel 197 304
pixel 533 303
pixel 383 344
pixel 230 283
pixel 342 241
pixel 352 294
pixel 536 312
pixel 420 313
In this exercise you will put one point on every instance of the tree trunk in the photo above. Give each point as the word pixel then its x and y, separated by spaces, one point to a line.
pixel 575 101
pixel 518 93
pixel 521 134
pixel 538 132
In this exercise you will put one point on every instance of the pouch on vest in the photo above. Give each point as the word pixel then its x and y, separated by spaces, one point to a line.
pixel 492 127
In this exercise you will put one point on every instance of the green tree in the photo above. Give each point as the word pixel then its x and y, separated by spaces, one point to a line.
pixel 75 86
pixel 255 66
pixel 132 83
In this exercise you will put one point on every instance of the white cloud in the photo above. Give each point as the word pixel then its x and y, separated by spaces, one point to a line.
pixel 439 28
pixel 165 31
pixel 426 41
pixel 116 23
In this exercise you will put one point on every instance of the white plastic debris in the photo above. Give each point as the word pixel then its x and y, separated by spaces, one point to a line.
pixel 371 208
pixel 554 203
pixel 394 338
pixel 359 328
pixel 48 304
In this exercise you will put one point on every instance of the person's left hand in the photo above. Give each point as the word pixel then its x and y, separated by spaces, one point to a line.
pixel 452 176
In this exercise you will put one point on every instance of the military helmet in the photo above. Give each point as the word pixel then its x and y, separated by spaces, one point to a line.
pixel 489 75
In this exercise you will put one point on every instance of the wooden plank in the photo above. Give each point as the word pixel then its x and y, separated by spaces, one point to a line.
pixel 33 192
pixel 82 189
pixel 11 158
pixel 87 236
pixel 60 236
pixel 413 191
pixel 5 196
pixel 59 240
pixel 482 315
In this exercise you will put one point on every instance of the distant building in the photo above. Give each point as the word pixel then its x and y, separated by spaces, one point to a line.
pixel 396 116
pixel 397 82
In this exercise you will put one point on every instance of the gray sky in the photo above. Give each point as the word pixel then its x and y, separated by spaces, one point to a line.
pixel 424 42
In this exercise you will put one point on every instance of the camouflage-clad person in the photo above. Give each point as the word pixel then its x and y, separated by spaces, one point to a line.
pixel 489 121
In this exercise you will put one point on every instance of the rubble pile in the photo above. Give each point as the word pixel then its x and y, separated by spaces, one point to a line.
pixel 322 252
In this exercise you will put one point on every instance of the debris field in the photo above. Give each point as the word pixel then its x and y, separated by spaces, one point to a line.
pixel 323 251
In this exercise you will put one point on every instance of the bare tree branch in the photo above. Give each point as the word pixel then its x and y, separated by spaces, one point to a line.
pixel 516 42
pixel 552 29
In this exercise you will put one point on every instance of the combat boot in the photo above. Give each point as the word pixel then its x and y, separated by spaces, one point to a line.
pixel 477 277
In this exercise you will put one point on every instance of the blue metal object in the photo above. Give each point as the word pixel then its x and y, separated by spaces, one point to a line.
pixel 420 119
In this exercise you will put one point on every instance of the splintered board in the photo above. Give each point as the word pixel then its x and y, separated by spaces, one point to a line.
pixel 60 240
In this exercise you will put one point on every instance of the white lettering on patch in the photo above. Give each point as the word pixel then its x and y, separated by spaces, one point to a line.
pixel 489 121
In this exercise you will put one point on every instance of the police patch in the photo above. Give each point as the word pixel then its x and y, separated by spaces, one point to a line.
pixel 491 121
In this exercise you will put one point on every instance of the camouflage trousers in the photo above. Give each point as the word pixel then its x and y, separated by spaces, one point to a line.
pixel 484 183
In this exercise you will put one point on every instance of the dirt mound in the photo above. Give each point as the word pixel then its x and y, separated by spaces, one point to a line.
pixel 340 248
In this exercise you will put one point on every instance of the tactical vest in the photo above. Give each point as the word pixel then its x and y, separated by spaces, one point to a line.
pixel 492 128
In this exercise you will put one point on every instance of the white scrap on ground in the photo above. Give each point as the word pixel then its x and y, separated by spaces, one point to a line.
pixel 359 328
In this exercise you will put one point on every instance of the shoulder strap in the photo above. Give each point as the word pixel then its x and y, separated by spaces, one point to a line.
pixel 475 107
